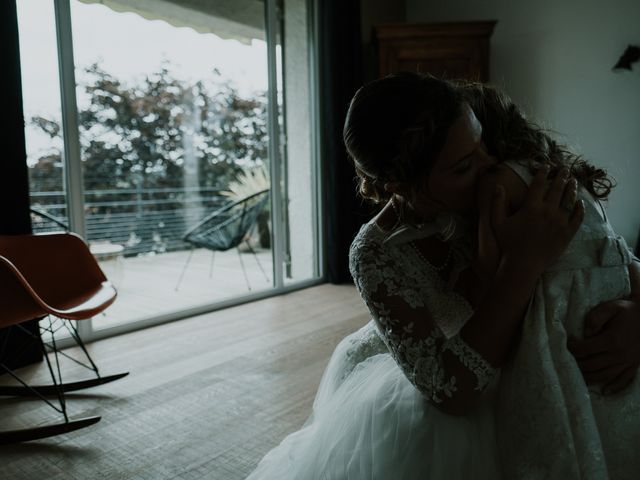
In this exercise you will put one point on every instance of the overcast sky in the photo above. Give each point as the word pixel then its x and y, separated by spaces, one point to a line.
pixel 126 46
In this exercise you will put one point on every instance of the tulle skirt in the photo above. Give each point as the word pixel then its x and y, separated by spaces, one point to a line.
pixel 369 422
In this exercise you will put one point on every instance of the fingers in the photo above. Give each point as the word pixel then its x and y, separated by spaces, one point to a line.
pixel 588 346
pixel 598 362
pixel 604 368
pixel 620 382
pixel 598 317
pixel 576 217
pixel 570 195
pixel 558 187
pixel 537 187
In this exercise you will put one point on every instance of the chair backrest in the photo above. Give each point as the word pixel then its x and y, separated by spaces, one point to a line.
pixel 56 269
pixel 227 227
pixel 17 305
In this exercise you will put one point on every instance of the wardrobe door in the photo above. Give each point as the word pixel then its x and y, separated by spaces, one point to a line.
pixel 450 50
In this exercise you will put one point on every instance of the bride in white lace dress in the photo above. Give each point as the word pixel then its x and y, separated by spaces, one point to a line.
pixel 447 279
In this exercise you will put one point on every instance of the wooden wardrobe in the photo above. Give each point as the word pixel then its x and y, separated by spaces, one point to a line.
pixel 449 50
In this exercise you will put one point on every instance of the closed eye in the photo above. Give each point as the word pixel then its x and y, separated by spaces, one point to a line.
pixel 463 165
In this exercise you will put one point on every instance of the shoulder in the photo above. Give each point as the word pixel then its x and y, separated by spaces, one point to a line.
pixel 366 247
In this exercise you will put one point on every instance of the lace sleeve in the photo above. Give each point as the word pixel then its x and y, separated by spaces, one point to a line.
pixel 407 302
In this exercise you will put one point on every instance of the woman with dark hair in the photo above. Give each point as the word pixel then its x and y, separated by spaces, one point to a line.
pixel 485 223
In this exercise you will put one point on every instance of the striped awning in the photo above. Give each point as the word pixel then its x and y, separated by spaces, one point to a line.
pixel 242 20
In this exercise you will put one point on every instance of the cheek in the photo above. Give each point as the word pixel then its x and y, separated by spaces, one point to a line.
pixel 460 193
pixel 455 192
pixel 460 185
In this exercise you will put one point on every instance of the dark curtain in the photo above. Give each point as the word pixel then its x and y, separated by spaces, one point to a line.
pixel 16 347
pixel 341 74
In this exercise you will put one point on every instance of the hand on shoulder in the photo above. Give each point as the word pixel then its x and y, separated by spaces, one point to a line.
pixel 514 190
pixel 530 224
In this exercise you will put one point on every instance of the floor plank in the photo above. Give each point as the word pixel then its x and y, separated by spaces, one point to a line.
pixel 207 397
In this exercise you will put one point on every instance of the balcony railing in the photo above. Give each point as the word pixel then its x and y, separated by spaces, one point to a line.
pixel 142 220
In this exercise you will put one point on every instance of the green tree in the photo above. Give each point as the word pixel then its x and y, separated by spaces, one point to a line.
pixel 147 135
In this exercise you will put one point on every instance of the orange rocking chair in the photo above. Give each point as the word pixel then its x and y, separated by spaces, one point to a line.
pixel 53 277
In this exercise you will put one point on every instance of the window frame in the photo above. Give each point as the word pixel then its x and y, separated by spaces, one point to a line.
pixel 74 179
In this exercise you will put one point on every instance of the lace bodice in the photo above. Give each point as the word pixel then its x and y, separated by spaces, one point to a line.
pixel 418 314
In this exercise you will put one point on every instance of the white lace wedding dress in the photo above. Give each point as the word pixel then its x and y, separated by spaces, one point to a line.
pixel 371 417
pixel 551 425
pixel 537 420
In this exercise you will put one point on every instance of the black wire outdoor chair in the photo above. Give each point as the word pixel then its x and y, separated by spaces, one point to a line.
pixel 45 222
pixel 226 228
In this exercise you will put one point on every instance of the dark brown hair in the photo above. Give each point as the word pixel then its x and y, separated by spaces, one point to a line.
pixel 397 125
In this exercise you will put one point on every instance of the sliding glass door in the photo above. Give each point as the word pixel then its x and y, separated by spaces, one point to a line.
pixel 179 143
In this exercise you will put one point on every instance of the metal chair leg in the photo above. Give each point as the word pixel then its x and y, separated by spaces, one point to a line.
pixel 57 388
pixel 257 260
pixel 54 389
pixel 38 433
pixel 59 391
pixel 243 269
pixel 184 269
pixel 213 256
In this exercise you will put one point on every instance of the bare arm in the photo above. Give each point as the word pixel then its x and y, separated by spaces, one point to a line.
pixel 526 242
pixel 475 280
pixel 609 354
pixel 450 372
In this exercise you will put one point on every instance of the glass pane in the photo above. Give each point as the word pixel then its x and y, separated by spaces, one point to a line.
pixel 173 133
pixel 43 124
pixel 299 190
pixel 42 113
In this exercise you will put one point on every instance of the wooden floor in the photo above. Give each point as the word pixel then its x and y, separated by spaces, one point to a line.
pixel 207 397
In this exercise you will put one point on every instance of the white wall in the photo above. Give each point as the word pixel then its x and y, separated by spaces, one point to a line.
pixel 554 58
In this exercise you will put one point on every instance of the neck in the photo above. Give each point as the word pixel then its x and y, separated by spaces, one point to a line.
pixel 408 214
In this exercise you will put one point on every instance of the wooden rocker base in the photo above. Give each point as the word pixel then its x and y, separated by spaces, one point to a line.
pixel 36 433
pixel 47 390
